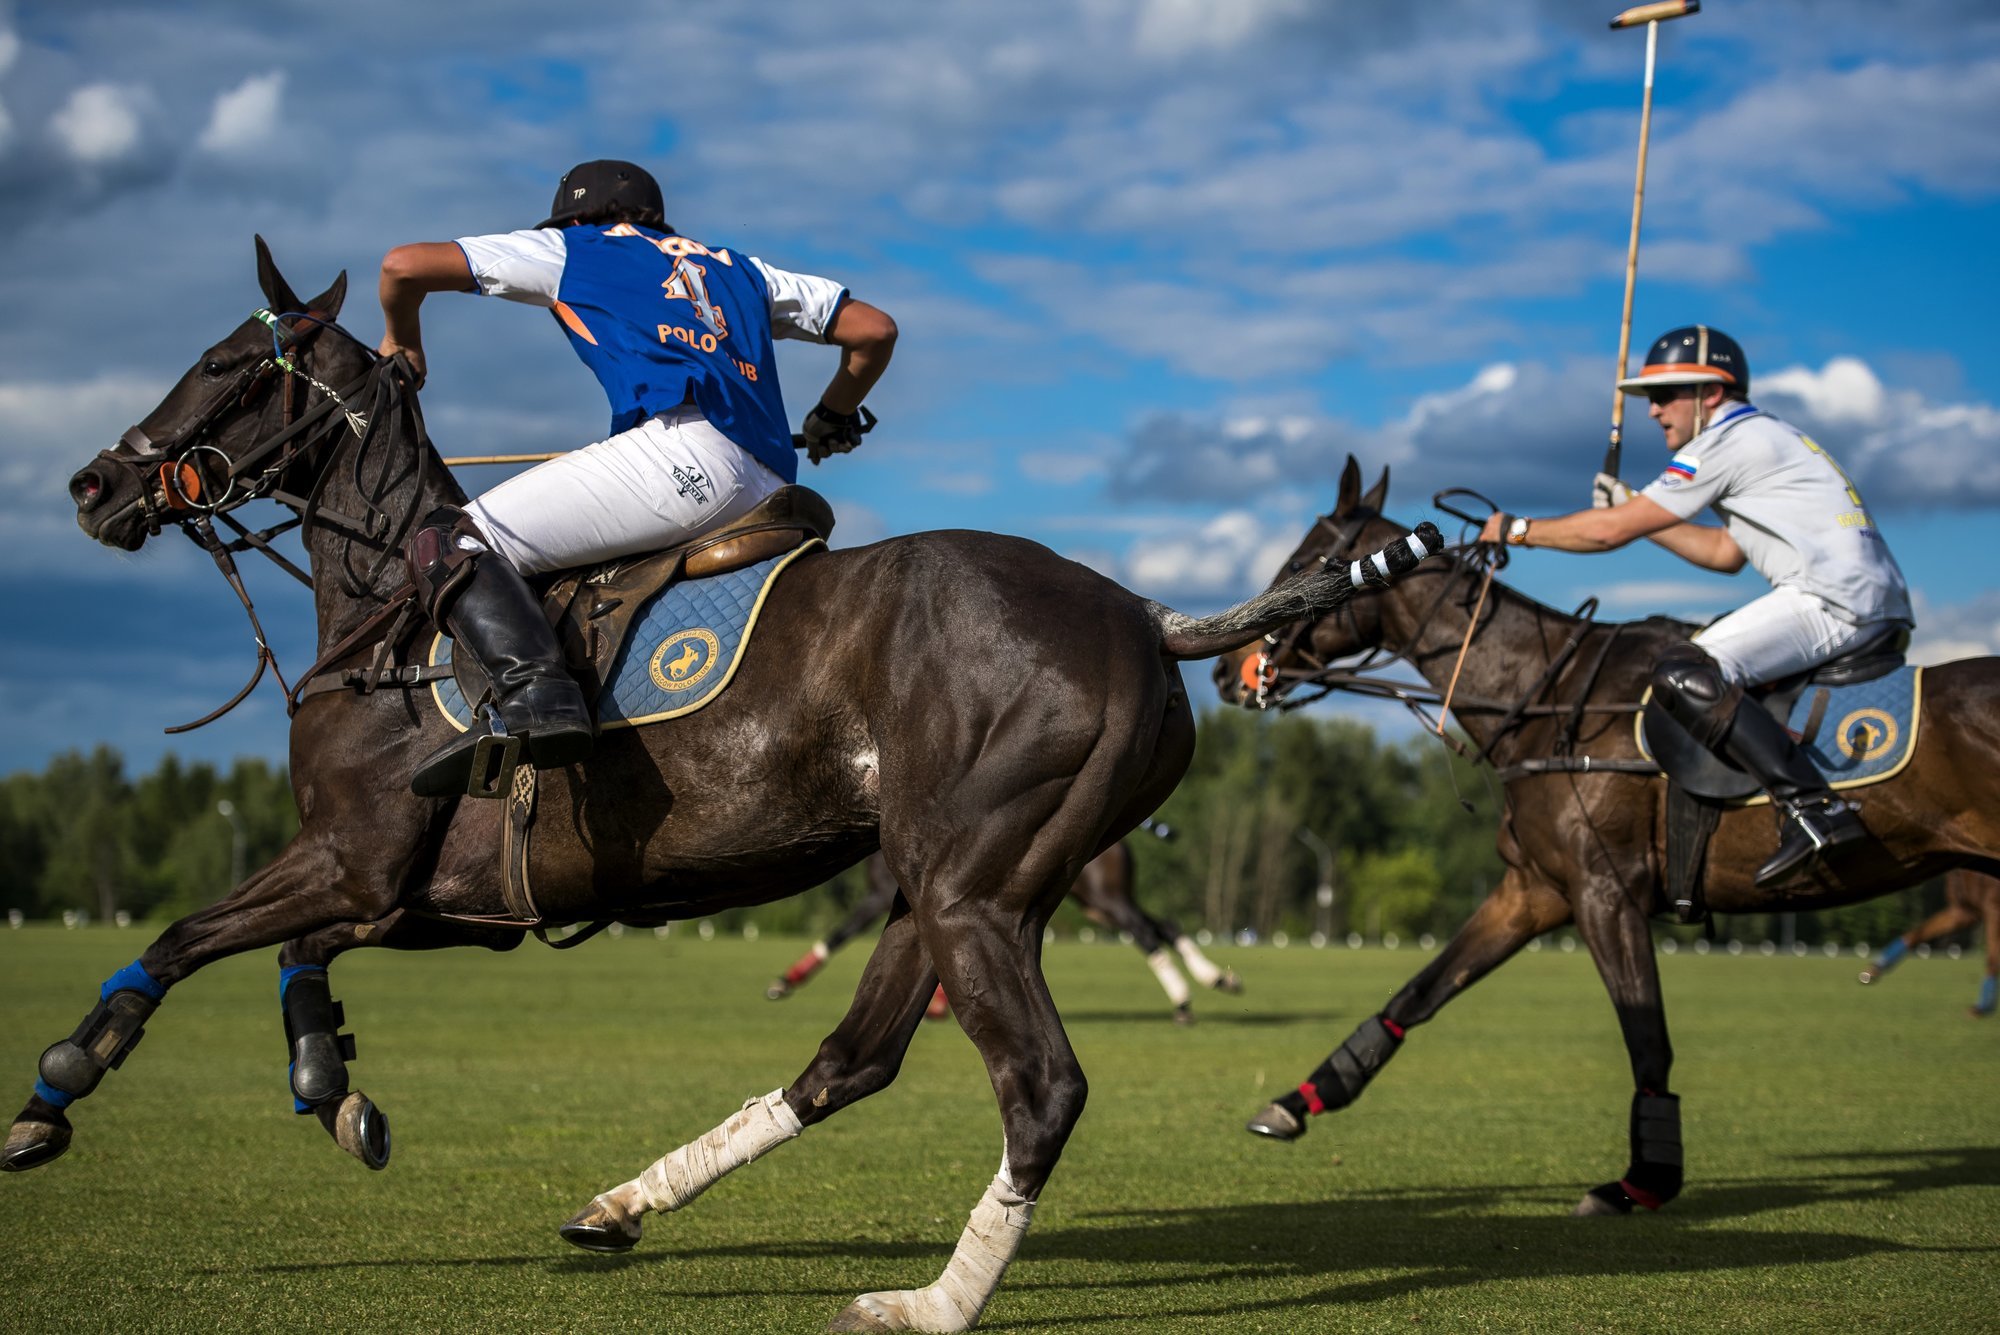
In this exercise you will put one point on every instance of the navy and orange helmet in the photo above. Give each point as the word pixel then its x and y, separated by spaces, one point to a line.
pixel 1694 355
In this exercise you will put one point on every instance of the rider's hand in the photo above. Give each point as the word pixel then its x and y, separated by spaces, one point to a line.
pixel 828 432
pixel 412 353
pixel 1607 491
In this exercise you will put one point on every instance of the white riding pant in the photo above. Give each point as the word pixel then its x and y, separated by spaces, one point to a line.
pixel 671 478
pixel 1786 631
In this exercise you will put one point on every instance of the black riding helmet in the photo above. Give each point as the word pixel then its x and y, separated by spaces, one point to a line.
pixel 1694 355
pixel 594 190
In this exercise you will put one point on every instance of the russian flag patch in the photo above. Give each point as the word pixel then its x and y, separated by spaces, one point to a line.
pixel 1682 468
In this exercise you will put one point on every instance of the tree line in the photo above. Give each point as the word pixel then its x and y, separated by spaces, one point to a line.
pixel 1294 823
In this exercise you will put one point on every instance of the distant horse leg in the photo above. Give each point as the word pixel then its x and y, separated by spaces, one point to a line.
pixel 299 892
pixel 990 961
pixel 1119 913
pixel 319 1052
pixel 1515 913
pixel 1989 987
pixel 1951 918
pixel 881 894
pixel 861 1056
pixel 1621 945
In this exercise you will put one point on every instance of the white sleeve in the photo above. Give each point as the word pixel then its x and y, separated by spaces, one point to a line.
pixel 1692 483
pixel 520 266
pixel 802 306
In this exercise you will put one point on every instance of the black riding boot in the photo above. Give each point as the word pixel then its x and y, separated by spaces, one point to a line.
pixel 490 613
pixel 1817 823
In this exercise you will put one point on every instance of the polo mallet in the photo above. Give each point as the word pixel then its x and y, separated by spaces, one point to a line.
pixel 1652 16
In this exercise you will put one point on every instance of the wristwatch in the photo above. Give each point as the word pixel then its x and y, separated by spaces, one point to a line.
pixel 1517 532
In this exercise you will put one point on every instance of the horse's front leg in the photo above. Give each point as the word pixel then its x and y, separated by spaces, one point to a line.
pixel 1518 910
pixel 318 1051
pixel 1620 940
pixel 303 890
pixel 860 1057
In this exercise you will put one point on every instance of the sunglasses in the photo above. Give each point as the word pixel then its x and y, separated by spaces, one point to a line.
pixel 1666 394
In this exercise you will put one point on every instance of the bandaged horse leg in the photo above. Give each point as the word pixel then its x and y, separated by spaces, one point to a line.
pixel 70 1070
pixel 861 1056
pixel 1203 969
pixel 1161 962
pixel 1620 939
pixel 1518 910
pixel 985 1249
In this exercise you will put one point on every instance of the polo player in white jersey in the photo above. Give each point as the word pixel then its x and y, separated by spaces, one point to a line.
pixel 680 336
pixel 1787 509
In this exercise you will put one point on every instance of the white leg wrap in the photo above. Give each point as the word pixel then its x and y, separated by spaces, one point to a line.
pixel 1199 966
pixel 961 1293
pixel 677 1178
pixel 1162 963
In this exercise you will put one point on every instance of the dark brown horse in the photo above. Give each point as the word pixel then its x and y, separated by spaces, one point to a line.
pixel 935 696
pixel 1105 893
pixel 1969 900
pixel 1539 691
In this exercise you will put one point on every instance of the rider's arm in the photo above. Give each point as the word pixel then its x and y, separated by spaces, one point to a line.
pixel 1640 517
pixel 409 274
pixel 866 337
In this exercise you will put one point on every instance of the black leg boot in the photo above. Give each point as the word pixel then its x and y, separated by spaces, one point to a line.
pixel 1816 822
pixel 490 612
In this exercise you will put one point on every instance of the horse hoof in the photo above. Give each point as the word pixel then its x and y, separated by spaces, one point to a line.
pixel 602 1226
pixel 1867 977
pixel 856 1317
pixel 359 1127
pixel 1275 1122
pixel 778 991
pixel 1229 983
pixel 1183 1015
pixel 1602 1202
pixel 30 1144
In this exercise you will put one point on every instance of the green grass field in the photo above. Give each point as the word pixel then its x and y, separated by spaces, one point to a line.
pixel 1844 1152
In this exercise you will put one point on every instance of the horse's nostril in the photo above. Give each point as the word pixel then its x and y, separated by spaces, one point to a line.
pixel 86 489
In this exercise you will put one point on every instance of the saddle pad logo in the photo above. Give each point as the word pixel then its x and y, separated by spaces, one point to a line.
pixel 684 659
pixel 1867 734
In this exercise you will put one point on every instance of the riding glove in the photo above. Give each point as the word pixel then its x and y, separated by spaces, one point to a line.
pixel 1607 491
pixel 828 432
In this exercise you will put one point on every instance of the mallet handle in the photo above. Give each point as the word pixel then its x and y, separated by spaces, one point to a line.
pixel 1615 448
pixel 463 459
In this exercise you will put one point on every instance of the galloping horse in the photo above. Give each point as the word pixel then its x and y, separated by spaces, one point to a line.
pixel 1969 900
pixel 1105 894
pixel 928 695
pixel 1549 699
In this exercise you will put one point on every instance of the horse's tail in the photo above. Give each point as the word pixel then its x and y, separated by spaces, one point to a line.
pixel 1308 596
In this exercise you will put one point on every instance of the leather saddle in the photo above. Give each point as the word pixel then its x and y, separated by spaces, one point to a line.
pixel 592 608
pixel 1704 774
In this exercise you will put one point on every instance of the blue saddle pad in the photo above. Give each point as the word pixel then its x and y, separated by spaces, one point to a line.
pixel 683 647
pixel 1867 732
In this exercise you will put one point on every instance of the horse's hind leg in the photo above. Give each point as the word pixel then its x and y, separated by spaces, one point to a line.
pixel 1516 912
pixel 1989 986
pixel 861 1056
pixel 319 1053
pixel 986 942
pixel 304 889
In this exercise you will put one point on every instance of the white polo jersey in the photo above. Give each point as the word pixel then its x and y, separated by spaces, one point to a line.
pixel 1791 509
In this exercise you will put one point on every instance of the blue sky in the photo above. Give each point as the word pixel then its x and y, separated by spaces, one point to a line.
pixel 1160 266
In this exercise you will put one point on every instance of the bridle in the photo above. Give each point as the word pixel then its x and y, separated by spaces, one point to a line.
pixel 176 488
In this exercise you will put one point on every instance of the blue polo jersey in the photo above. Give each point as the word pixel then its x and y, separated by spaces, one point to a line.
pixel 661 319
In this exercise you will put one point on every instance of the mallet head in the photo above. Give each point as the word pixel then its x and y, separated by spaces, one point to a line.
pixel 1656 13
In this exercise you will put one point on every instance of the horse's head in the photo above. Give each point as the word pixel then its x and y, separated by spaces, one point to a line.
pixel 1354 528
pixel 181 459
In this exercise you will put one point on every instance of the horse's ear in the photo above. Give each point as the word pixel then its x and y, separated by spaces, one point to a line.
pixel 1350 487
pixel 276 290
pixel 328 302
pixel 1378 494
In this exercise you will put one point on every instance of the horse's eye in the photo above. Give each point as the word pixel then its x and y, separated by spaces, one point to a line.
pixel 1295 567
pixel 211 368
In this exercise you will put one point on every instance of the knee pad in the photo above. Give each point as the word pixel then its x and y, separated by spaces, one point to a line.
pixel 441 554
pixel 1689 686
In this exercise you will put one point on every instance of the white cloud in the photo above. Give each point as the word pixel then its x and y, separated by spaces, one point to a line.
pixel 1234 551
pixel 1178 27
pixel 100 123
pixel 10 49
pixel 6 127
pixel 1693 598
pixel 246 116
pixel 1900 447
pixel 1956 630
